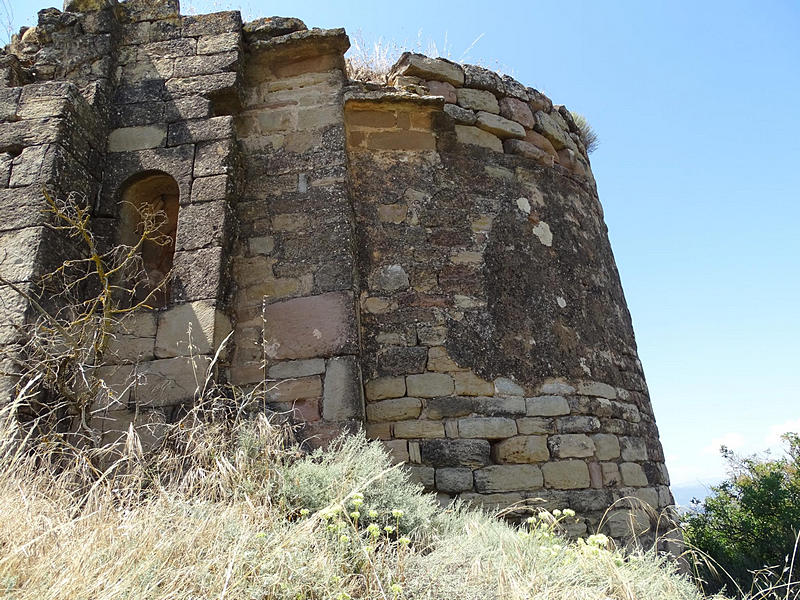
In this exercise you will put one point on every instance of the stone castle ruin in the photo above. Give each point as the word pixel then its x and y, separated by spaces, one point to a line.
pixel 426 259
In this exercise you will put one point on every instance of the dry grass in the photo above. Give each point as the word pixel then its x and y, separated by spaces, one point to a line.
pixel 228 507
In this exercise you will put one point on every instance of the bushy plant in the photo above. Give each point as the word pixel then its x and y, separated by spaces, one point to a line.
pixel 748 527
pixel 588 134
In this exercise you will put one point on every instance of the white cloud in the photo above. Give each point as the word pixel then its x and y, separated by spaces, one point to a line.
pixel 773 438
pixel 733 440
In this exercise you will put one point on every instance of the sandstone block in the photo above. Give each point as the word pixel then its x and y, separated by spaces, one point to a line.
pixel 379 431
pixel 478 137
pixel 508 478
pixel 17 263
pixel 311 327
pixel 597 388
pixel 499 126
pixel 170 381
pixel 549 128
pixel 478 100
pixel 535 425
pixel 453 481
pixel 341 400
pixel 492 502
pixel 417 65
pixel 517 110
pixel 213 158
pixel 136 138
pixel 194 328
pixel 201 130
pixel 394 409
pixel 521 449
pixel 632 474
pixel 290 390
pixel 443 89
pixel 572 445
pixel 401 140
pixel 522 148
pixel 385 387
pixel 500 406
pixel 469 384
pixel 541 142
pixel 207 189
pixel 297 368
pixel 577 424
pixel 389 278
pixel 606 446
pixel 566 474
pixel 419 429
pixel 463 116
pixel 455 453
pixel 547 406
pixel 633 448
pixel 448 407
pixel 622 524
pixel 483 79
pixel 430 385
pixel 424 476
pixel 611 475
pixel 398 450
pixel 392 213
pixel 490 428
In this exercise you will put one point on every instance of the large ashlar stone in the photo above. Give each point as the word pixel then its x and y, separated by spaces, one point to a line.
pixel 293 390
pixel 606 446
pixel 455 453
pixel 417 65
pixel 490 428
pixel 419 429
pixel 297 368
pixel 632 474
pixel 136 138
pixel 517 110
pixel 169 381
pixel 394 409
pixel 463 116
pixel 18 258
pixel 385 387
pixel 500 126
pixel 571 445
pixel 566 474
pixel 521 449
pixel 469 384
pixel 475 136
pixel 342 400
pixel 597 388
pixel 453 481
pixel 478 100
pixel 549 128
pixel 194 328
pixel 508 478
pixel 633 448
pixel 311 327
pixel 547 406
pixel 430 385
pixel 523 148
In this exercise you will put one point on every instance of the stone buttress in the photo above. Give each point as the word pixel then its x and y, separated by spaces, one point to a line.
pixel 425 258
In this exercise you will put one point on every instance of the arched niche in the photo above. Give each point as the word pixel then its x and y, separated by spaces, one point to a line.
pixel 154 193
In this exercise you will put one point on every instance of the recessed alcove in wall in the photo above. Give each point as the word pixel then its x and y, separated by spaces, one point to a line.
pixel 151 193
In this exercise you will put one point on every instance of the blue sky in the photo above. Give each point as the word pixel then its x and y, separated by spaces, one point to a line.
pixel 697 107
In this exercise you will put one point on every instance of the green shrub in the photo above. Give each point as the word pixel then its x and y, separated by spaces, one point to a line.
pixel 748 527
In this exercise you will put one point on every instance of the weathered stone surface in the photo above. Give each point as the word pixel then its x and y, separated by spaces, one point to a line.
pixel 504 406
pixel 541 142
pixel 577 424
pixel 596 388
pixel 463 116
pixel 294 390
pixel 566 474
pixel 448 407
pixel 478 137
pixel 478 100
pixel 483 79
pixel 193 328
pixel 430 385
pixel 443 89
pixel 455 453
pixel 297 368
pixel 342 400
pixel 503 386
pixel 547 406
pixel 632 474
pixel 548 127
pixel 523 148
pixel 136 138
pixel 499 126
pixel 521 449
pixel 417 65
pixel 389 278
pixel 439 361
pixel 517 110
pixel 571 445
pixel 419 429
pixel 310 327
pixel 606 446
pixel 453 481
pixel 507 478
pixel 394 409
pixel 385 387
pixel 469 384
pixel 269 27
pixel 535 425
pixel 633 448
pixel 490 428
pixel 18 255
pixel 396 360
pixel 169 381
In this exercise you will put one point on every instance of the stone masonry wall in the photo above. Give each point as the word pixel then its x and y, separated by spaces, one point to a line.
pixel 426 259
